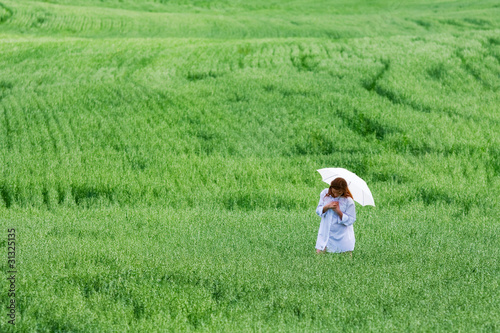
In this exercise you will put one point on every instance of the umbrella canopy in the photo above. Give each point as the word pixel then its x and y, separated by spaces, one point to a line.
pixel 359 190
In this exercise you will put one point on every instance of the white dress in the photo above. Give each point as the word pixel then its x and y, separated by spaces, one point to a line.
pixel 336 234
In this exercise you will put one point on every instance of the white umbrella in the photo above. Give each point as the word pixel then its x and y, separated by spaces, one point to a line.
pixel 359 190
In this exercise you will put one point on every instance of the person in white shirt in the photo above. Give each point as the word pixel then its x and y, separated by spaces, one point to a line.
pixel 338 213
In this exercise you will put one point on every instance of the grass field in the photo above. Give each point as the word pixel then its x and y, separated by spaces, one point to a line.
pixel 158 162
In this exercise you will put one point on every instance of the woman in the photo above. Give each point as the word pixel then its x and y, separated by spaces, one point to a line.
pixel 338 213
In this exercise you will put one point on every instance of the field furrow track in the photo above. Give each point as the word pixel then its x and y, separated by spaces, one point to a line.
pixel 20 128
pixel 52 131
pixel 159 117
pixel 5 13
pixel 120 118
pixel 7 131
pixel 35 130
pixel 56 118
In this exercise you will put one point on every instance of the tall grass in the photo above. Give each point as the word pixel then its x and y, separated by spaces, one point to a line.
pixel 135 121
pixel 158 160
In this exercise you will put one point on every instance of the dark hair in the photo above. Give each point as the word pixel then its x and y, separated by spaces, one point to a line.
pixel 340 184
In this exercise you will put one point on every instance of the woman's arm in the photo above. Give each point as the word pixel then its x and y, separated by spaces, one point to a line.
pixel 322 208
pixel 349 216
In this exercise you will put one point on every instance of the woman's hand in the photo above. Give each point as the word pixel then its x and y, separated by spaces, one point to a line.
pixel 328 206
pixel 336 208
pixel 333 205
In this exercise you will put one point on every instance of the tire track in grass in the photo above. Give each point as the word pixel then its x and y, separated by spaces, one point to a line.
pixel 104 114
pixel 18 192
pixel 21 129
pixel 99 25
pixel 39 120
pixel 63 192
pixel 21 17
pixel 144 96
pixel 79 189
pixel 327 51
pixel 64 134
pixel 203 63
pixel 115 25
pixel 150 144
pixel 37 144
pixel 52 131
pixel 242 51
pixel 126 27
pixel 88 24
pixel 132 120
pixel 152 105
pixel 108 24
pixel 364 124
pixel 304 59
pixel 472 71
pixel 397 98
pixel 277 56
pixel 294 53
pixel 5 194
pixel 56 22
pixel 90 105
pixel 56 119
pixel 5 13
pixel 8 134
pixel 372 84
pixel 265 56
pixel 130 142
pixel 29 18
pixel 5 88
pixel 490 44
pixel 375 86
pixel 72 134
pixel 113 120
pixel 119 142
pixel 415 130
pixel 9 127
pixel 159 104
pixel 76 23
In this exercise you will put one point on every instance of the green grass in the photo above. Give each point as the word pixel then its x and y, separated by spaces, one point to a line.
pixel 113 269
pixel 158 163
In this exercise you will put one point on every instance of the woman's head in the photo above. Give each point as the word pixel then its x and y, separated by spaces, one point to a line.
pixel 338 187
